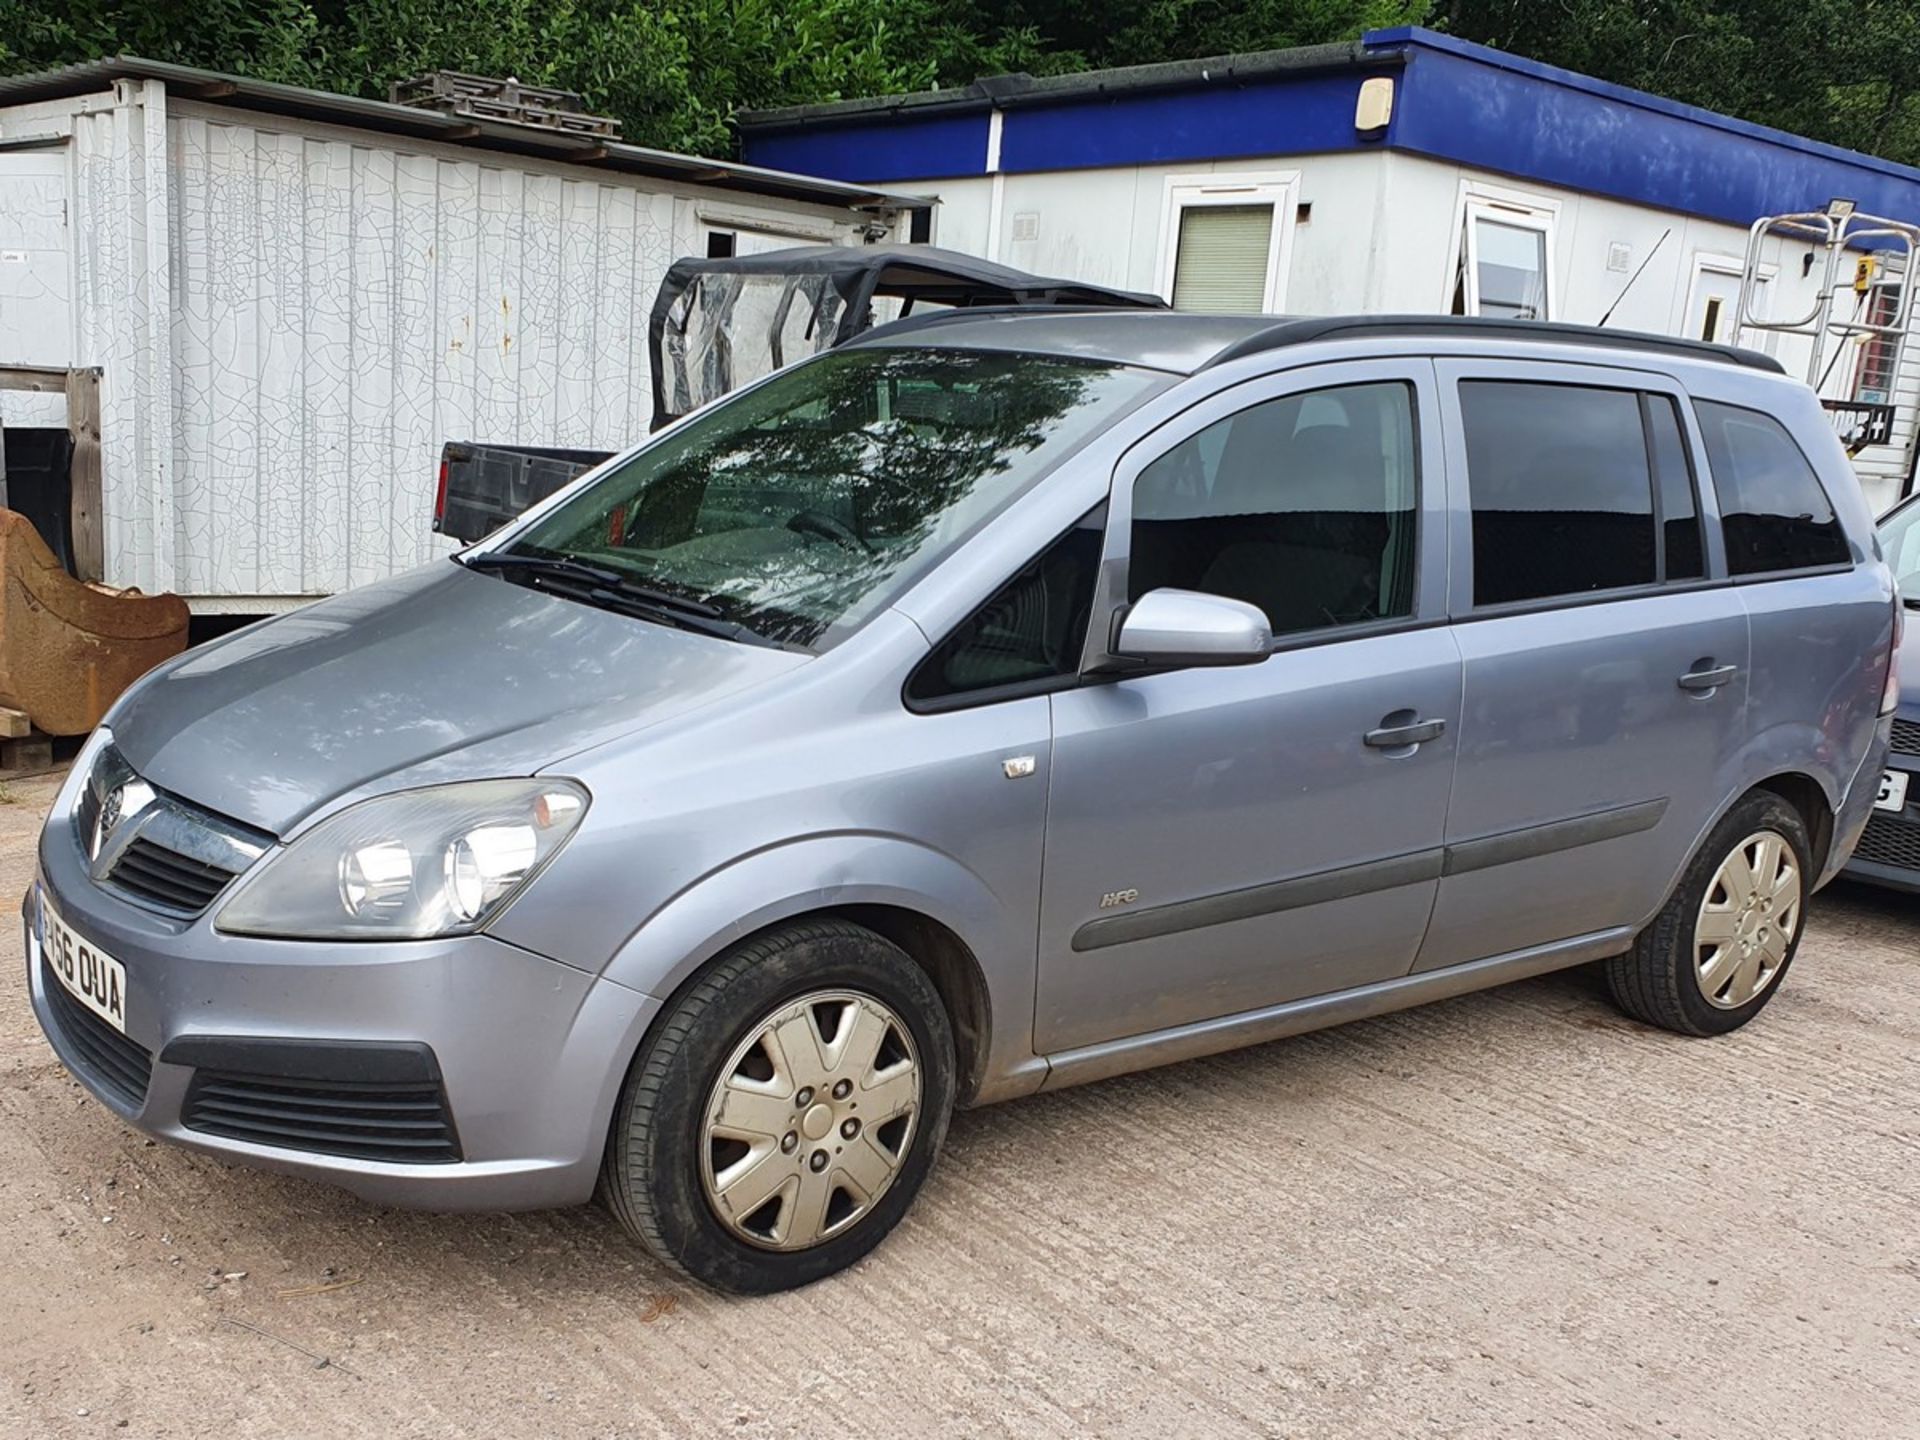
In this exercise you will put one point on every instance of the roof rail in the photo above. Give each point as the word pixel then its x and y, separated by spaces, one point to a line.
pixel 1301 331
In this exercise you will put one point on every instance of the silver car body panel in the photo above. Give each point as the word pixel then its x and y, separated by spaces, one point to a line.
pixel 1283 874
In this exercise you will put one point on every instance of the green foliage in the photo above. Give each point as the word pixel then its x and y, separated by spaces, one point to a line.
pixel 673 70
pixel 1843 71
pixel 676 71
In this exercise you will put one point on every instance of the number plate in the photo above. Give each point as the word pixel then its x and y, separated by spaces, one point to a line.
pixel 1893 791
pixel 86 972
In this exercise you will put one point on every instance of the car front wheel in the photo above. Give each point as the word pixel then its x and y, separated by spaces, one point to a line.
pixel 785 1111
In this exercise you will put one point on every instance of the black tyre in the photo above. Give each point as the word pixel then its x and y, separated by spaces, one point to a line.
pixel 784 1112
pixel 1716 954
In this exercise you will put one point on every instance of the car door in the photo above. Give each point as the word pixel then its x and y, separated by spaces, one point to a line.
pixel 1223 839
pixel 1606 657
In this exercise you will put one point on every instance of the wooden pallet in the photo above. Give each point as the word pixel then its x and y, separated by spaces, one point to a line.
pixel 507 102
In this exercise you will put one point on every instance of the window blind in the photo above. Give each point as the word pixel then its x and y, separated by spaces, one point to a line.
pixel 1221 265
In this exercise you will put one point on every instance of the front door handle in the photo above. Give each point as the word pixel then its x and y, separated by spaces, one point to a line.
pixel 1709 678
pixel 1395 737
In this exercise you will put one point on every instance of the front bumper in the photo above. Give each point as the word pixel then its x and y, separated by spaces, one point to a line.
pixel 1887 847
pixel 530 1053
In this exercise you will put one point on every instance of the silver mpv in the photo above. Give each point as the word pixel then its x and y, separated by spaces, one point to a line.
pixel 1001 702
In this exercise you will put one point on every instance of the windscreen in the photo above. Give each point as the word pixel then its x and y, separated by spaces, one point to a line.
pixel 801 507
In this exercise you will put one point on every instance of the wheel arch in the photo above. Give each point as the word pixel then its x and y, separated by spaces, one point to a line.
pixel 978 954
pixel 954 970
pixel 1809 798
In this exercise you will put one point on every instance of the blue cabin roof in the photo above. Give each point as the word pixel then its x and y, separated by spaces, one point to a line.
pixel 1454 101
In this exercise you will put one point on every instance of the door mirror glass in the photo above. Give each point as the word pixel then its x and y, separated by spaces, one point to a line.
pixel 1185 627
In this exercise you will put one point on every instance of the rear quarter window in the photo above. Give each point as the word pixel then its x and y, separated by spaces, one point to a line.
pixel 1773 510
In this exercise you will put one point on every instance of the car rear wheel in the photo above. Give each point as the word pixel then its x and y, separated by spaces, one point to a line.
pixel 1717 952
pixel 785 1111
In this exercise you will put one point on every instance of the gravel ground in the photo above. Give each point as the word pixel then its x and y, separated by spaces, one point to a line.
pixel 1511 1214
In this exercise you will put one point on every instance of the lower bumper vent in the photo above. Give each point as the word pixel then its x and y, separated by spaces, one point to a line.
pixel 1890 840
pixel 101 1053
pixel 403 1123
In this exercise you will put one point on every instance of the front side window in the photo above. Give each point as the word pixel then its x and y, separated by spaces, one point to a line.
pixel 1561 489
pixel 1031 631
pixel 797 509
pixel 1302 505
pixel 1773 511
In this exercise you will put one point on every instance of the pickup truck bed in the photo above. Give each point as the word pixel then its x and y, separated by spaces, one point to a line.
pixel 484 486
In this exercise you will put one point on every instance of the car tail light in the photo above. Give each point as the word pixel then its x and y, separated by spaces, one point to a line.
pixel 440 496
pixel 1890 696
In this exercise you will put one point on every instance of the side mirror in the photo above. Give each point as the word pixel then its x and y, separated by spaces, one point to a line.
pixel 1185 627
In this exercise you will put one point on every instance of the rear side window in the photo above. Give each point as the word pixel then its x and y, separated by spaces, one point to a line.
pixel 1302 505
pixel 1773 511
pixel 1562 490
pixel 1673 472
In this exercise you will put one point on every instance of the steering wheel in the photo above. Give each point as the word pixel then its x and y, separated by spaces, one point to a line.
pixel 812 522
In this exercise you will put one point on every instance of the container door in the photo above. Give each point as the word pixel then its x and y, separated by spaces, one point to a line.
pixel 36 270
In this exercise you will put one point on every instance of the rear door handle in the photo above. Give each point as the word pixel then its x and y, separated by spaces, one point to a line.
pixel 1710 679
pixel 1393 737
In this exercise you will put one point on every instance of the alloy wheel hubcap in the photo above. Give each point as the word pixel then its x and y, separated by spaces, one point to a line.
pixel 1747 921
pixel 810 1120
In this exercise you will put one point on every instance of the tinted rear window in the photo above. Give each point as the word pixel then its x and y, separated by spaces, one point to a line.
pixel 1561 489
pixel 1679 511
pixel 1773 511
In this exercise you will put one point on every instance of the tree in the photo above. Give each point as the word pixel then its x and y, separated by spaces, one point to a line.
pixel 676 71
pixel 1840 72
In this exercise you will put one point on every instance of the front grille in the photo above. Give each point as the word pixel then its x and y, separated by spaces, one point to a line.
pixel 1906 736
pixel 99 1052
pixel 167 878
pixel 1890 840
pixel 405 1123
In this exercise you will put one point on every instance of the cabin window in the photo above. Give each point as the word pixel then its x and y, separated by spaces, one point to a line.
pixel 1225 243
pixel 1503 257
pixel 1873 378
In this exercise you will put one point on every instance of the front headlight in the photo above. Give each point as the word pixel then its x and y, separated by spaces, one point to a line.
pixel 409 866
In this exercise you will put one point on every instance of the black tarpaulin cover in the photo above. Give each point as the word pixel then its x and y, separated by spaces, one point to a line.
pixel 720 323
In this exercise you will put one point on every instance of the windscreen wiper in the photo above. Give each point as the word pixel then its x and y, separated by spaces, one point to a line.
pixel 571 567
pixel 608 588
pixel 568 565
